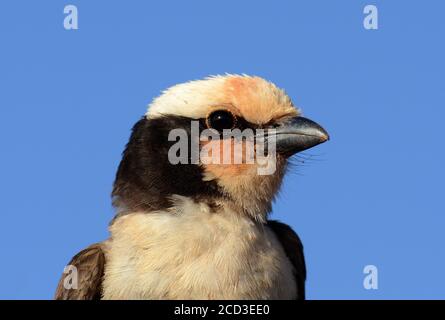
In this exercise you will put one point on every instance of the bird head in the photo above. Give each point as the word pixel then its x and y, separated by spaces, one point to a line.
pixel 149 180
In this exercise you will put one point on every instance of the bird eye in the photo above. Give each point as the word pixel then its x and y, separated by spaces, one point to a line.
pixel 221 119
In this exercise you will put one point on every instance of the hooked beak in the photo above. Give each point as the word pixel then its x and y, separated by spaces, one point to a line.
pixel 298 134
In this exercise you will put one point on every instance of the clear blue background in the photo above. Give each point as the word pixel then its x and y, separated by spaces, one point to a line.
pixel 373 195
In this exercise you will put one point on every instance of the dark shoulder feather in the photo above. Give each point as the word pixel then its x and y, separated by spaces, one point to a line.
pixel 90 264
pixel 294 250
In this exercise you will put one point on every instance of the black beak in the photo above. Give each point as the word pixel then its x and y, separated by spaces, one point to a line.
pixel 298 134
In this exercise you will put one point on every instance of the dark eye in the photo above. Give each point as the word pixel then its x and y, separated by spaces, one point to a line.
pixel 220 120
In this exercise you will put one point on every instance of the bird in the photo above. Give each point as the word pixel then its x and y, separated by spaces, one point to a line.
pixel 201 230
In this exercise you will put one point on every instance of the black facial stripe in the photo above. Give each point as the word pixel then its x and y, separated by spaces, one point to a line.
pixel 146 179
pixel 241 124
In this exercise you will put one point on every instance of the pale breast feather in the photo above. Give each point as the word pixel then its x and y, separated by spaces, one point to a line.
pixel 196 255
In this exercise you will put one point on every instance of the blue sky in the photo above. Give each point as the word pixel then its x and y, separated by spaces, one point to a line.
pixel 373 195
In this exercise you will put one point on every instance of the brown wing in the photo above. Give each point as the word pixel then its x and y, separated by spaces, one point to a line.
pixel 90 264
pixel 294 250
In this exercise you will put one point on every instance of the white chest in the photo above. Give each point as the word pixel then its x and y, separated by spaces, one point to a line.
pixel 195 255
